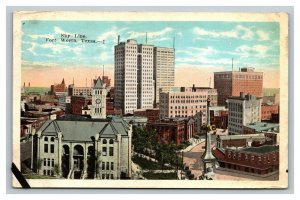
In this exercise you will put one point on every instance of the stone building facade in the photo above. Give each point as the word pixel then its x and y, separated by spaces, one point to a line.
pixel 186 103
pixel 243 110
pixel 84 148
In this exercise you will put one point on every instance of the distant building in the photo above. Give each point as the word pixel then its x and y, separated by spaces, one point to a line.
pixel 258 161
pixel 243 110
pixel 58 89
pixel 151 114
pixel 176 130
pixel 186 103
pixel 136 121
pixel 78 103
pixel 232 83
pixel 219 117
pixel 267 110
pixel 164 70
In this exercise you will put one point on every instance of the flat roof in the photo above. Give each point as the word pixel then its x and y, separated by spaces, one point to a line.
pixel 262 126
pixel 262 149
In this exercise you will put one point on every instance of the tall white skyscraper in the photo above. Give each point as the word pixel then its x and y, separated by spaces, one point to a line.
pixel 164 70
pixel 137 68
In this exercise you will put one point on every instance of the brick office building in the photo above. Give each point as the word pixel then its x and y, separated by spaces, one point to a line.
pixel 78 103
pixel 219 117
pixel 261 160
pixel 176 130
pixel 231 83
pixel 151 114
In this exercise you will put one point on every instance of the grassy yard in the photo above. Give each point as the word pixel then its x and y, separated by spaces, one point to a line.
pixel 147 164
pixel 160 176
pixel 35 176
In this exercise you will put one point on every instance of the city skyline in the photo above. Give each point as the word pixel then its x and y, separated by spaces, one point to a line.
pixel 201 48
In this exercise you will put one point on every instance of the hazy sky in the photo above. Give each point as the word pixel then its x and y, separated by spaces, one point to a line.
pixel 201 49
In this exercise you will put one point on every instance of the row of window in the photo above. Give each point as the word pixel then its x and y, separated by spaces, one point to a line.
pixel 252 157
pixel 50 162
pixel 107 176
pixel 107 166
pixel 104 151
pixel 46 148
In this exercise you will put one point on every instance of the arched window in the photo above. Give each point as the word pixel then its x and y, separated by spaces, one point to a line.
pixel 104 141
pixel 46 139
pixel 111 141
pixel 52 139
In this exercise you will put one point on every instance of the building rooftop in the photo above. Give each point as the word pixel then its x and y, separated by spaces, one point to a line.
pixel 244 136
pixel 262 126
pixel 262 149
pixel 83 130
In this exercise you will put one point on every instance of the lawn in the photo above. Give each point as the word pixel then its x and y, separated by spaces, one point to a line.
pixel 35 176
pixel 160 176
pixel 147 164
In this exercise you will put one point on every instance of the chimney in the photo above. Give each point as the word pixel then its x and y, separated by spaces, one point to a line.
pixel 118 39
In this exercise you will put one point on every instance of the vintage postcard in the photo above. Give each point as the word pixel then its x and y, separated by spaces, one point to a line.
pixel 150 100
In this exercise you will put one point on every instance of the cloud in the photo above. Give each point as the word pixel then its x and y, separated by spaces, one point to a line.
pixel 59 48
pixel 263 35
pixel 111 35
pixel 202 32
pixel 104 56
pixel 259 50
pixel 239 32
pixel 58 30
pixel 150 35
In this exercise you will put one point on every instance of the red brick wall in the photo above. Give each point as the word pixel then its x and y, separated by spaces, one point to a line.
pixel 268 110
pixel 248 86
pixel 224 89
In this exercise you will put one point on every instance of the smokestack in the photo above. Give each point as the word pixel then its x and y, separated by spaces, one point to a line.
pixel 118 39
pixel 232 64
pixel 146 38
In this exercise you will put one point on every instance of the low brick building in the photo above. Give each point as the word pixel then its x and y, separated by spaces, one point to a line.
pixel 261 160
pixel 78 103
pixel 151 114
pixel 267 110
pixel 58 88
pixel 176 130
pixel 219 117
pixel 226 141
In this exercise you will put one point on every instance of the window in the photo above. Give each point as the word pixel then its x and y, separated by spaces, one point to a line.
pixel 107 165
pixel 48 172
pixel 45 162
pixel 46 139
pixel 44 172
pixel 46 148
pixel 103 165
pixel 107 176
pixel 111 151
pixel 104 151
pixel 52 148
pixel 48 162
pixel 111 176
pixel 52 139
pixel 52 162
pixel 104 141
pixel 111 141
pixel 111 166
pixel 103 176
